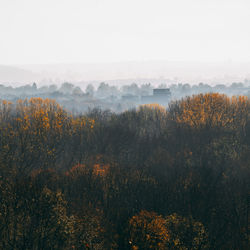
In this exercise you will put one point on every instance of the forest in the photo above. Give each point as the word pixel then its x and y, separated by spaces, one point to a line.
pixel 77 98
pixel 147 178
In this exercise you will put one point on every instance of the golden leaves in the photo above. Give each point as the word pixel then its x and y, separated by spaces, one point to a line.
pixel 83 122
pixel 148 231
pixel 153 106
pixel 210 110
pixel 100 170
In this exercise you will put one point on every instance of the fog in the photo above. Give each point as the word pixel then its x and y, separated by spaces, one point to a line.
pixel 101 145
pixel 96 31
pixel 188 47
pixel 104 96
pixel 156 72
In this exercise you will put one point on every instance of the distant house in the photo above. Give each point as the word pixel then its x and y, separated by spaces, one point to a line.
pixel 162 92
pixel 161 96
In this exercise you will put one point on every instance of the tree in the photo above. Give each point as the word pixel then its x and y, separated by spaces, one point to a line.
pixel 186 233
pixel 90 90
pixel 66 88
pixel 48 226
pixel 148 230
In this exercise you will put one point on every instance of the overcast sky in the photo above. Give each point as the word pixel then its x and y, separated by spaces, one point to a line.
pixel 68 31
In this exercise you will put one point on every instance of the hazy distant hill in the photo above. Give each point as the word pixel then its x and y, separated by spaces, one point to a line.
pixel 127 72
pixel 193 72
pixel 15 75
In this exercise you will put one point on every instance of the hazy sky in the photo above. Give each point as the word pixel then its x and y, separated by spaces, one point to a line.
pixel 67 31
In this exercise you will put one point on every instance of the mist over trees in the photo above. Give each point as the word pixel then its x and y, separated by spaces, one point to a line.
pixel 117 99
pixel 147 178
pixel 124 125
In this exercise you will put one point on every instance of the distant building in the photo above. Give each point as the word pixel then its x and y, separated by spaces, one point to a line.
pixel 162 92
pixel 161 96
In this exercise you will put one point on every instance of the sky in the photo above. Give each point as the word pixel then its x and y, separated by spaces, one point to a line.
pixel 98 31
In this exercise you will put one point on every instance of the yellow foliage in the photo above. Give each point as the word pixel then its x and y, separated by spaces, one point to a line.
pixel 148 231
pixel 39 114
pixel 154 106
pixel 81 122
pixel 210 110
pixel 100 169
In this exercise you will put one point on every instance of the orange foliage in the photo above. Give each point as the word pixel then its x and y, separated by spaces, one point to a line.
pixel 210 110
pixel 39 113
pixel 82 122
pixel 154 106
pixel 98 167
pixel 100 170
pixel 148 231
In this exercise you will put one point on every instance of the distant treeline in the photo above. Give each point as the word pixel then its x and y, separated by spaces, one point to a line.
pixel 147 178
pixel 114 98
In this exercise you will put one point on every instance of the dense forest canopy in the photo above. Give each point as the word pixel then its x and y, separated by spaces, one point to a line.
pixel 146 178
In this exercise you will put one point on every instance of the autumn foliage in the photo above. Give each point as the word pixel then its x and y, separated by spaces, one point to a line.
pixel 148 178
pixel 211 110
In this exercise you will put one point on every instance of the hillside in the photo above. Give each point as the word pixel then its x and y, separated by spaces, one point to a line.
pixel 15 75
